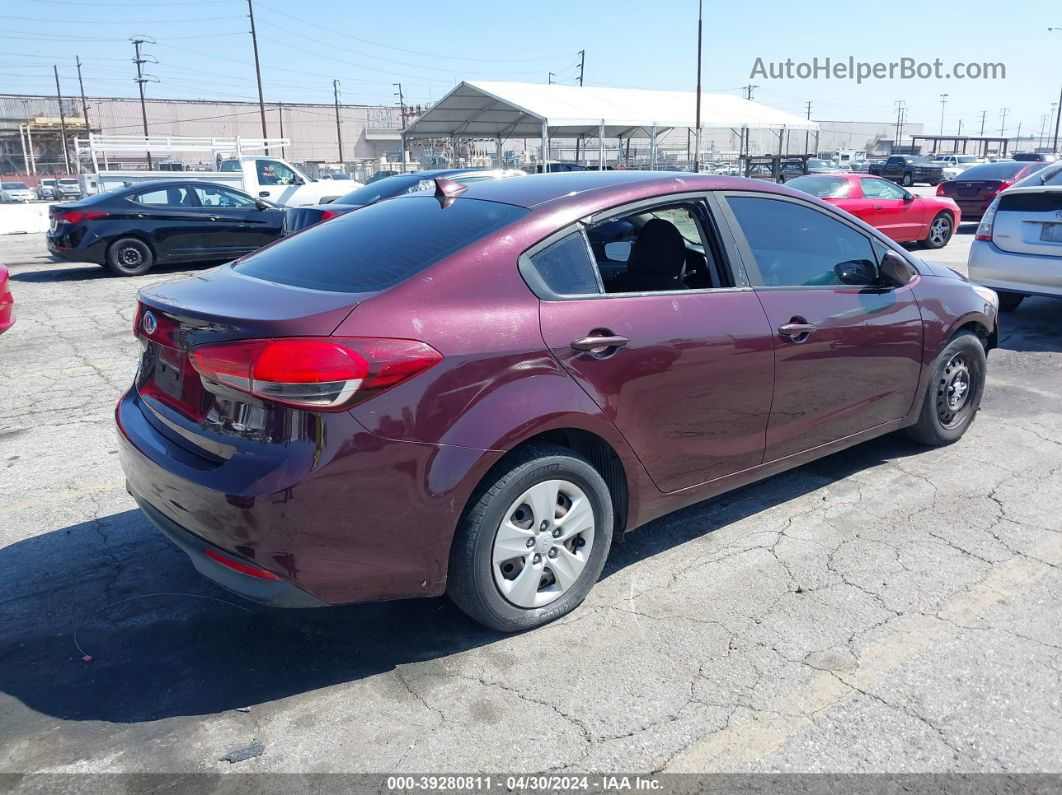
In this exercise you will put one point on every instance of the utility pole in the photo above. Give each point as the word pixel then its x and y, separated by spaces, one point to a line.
pixel 339 129
pixel 401 102
pixel 807 133
pixel 697 137
pixel 983 114
pixel 943 102
pixel 62 119
pixel 1003 120
pixel 257 71
pixel 280 116
pixel 84 105
pixel 1043 128
pixel 140 80
pixel 551 76
pixel 959 133
pixel 901 114
pixel 1058 117
pixel 582 65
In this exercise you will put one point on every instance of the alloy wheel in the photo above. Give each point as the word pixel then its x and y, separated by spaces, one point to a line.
pixel 940 231
pixel 543 543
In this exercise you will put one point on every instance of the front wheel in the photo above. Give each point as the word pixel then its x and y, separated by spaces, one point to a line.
pixel 1008 302
pixel 533 543
pixel 130 257
pixel 953 394
pixel 940 231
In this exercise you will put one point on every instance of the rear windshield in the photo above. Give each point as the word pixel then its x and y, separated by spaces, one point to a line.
pixel 993 171
pixel 380 245
pixel 823 187
pixel 14 185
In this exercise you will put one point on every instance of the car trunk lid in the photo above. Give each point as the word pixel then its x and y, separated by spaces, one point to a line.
pixel 1029 221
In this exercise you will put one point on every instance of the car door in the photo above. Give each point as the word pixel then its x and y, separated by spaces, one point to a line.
pixel 236 224
pixel 170 217
pixel 277 182
pixel 685 374
pixel 847 358
pixel 896 213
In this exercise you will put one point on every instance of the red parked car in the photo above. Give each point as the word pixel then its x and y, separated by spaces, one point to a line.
pixel 975 188
pixel 474 392
pixel 886 206
pixel 7 302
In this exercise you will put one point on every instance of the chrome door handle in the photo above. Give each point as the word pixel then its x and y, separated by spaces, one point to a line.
pixel 797 332
pixel 598 343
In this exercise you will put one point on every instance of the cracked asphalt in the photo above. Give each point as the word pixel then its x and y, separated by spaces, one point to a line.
pixel 886 609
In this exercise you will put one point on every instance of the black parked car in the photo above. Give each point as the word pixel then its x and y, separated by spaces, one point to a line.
pixel 131 229
pixel 388 188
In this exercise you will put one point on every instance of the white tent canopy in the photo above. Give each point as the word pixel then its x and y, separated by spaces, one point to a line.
pixel 490 109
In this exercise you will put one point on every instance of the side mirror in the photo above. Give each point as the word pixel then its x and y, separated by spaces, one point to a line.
pixel 856 272
pixel 261 205
pixel 908 197
pixel 895 270
pixel 619 251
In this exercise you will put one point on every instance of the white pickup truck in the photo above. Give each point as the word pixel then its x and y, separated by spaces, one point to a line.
pixel 270 178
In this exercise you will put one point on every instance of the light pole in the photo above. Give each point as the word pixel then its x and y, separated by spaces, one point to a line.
pixel 943 102
pixel 1058 111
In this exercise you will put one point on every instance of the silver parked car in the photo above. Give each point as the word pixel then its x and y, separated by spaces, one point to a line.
pixel 47 189
pixel 1018 247
pixel 15 192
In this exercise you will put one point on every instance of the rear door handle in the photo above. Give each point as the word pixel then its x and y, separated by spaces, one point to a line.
pixel 599 343
pixel 797 331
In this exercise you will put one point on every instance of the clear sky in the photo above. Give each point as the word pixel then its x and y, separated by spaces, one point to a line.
pixel 204 50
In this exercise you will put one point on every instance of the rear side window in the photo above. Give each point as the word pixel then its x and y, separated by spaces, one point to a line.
pixel 823 187
pixel 380 245
pixel 566 267
pixel 796 246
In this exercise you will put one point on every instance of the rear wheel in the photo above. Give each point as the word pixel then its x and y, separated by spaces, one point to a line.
pixel 953 394
pixel 130 257
pixel 940 231
pixel 908 181
pixel 532 544
pixel 1008 302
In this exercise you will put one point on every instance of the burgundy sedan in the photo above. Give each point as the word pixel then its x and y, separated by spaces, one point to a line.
pixel 886 206
pixel 975 188
pixel 474 392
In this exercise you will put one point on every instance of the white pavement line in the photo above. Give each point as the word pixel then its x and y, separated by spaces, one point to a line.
pixel 751 739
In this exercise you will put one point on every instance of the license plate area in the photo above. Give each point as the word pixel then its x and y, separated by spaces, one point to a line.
pixel 1051 233
pixel 168 375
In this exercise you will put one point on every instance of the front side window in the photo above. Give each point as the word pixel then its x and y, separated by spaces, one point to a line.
pixel 881 189
pixel 166 197
pixel 273 172
pixel 794 245
pixel 212 196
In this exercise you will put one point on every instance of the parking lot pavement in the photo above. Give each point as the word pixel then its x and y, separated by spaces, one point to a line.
pixel 888 608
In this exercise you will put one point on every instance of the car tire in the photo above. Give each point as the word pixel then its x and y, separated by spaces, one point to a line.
pixel 510 509
pixel 948 408
pixel 908 181
pixel 130 256
pixel 941 229
pixel 1008 302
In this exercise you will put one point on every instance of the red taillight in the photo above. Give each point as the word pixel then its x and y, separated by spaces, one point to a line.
pixel 322 373
pixel 328 214
pixel 940 189
pixel 238 565
pixel 76 216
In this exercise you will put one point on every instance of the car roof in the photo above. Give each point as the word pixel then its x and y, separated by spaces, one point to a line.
pixel 572 187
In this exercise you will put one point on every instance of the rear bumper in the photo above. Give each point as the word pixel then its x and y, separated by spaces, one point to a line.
pixel 972 209
pixel 1030 274
pixel 340 515
pixel 278 593
pixel 76 245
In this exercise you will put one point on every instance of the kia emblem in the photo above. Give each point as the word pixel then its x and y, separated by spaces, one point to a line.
pixel 149 323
